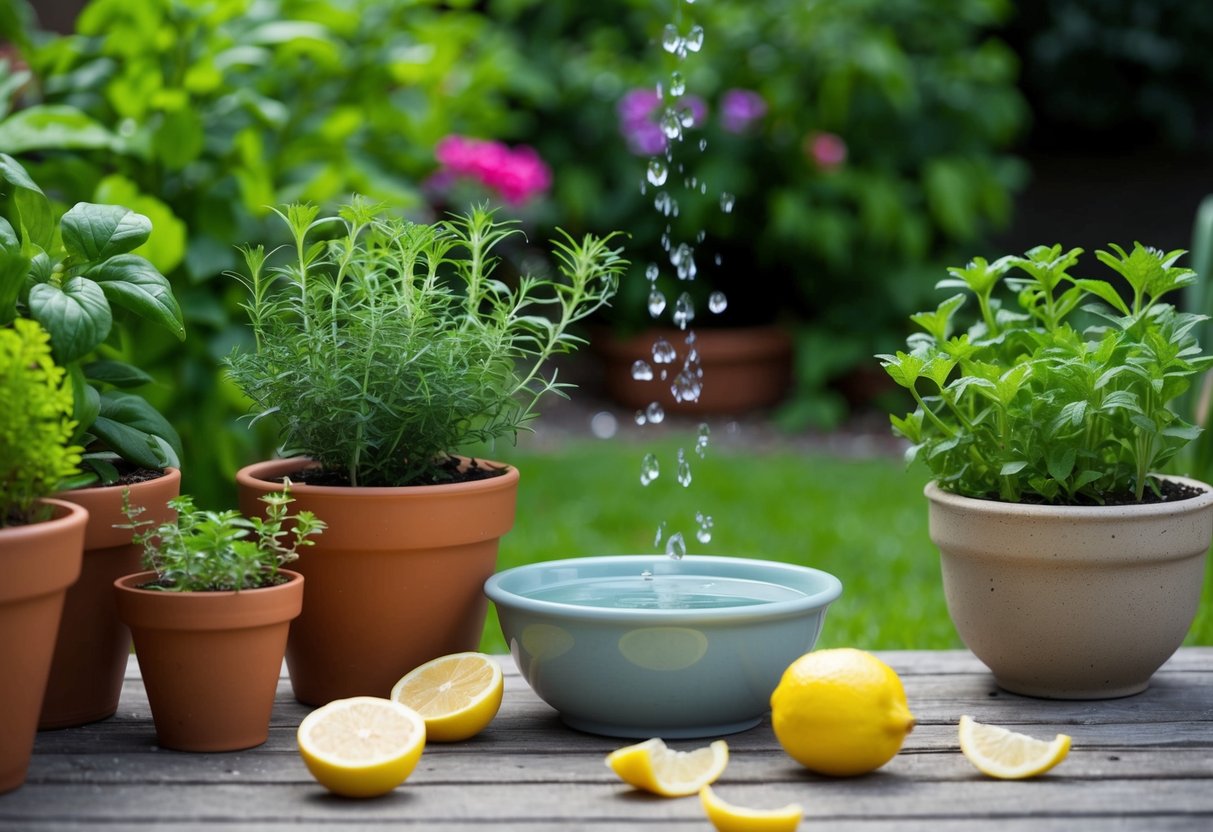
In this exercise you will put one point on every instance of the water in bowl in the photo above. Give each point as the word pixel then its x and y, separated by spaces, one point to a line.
pixel 664 592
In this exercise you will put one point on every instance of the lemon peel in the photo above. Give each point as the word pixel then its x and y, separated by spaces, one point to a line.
pixel 728 817
pixel 653 767
pixel 1006 755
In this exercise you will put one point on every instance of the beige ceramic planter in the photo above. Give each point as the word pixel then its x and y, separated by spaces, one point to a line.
pixel 1072 602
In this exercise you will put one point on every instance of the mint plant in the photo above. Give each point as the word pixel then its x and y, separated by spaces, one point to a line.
pixel 208 551
pixel 68 274
pixel 384 350
pixel 1026 406
pixel 36 454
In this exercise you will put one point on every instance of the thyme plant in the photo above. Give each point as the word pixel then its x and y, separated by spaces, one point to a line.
pixel 208 551
pixel 1025 406
pixel 388 346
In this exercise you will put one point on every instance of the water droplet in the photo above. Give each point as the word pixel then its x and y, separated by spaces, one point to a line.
pixel 676 547
pixel 655 413
pixel 704 533
pixel 663 351
pixel 650 469
pixel 691 338
pixel 717 302
pixel 664 203
pixel 726 202
pixel 671 41
pixel 701 441
pixel 656 303
pixel 719 259
pixel 671 125
pixel 660 533
pixel 701 236
pixel 684 469
pixel 651 272
pixel 640 417
pixel 678 84
pixel 647 575
pixel 657 172
pixel 686 117
pixel 694 39
pixel 665 239
pixel 703 145
pixel 686 387
pixel 644 187
pixel 664 375
pixel 683 260
pixel 641 371
pixel 604 424
pixel 684 310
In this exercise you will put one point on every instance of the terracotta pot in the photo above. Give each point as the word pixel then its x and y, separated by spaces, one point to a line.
pixel 395 580
pixel 93 645
pixel 37 564
pixel 1071 602
pixel 745 368
pixel 210 660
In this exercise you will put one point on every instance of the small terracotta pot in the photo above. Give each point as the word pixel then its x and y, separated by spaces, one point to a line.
pixel 394 581
pixel 744 368
pixel 210 660
pixel 93 645
pixel 1072 602
pixel 37 564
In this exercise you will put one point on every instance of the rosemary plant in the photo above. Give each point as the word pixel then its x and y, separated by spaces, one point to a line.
pixel 387 346
pixel 1024 406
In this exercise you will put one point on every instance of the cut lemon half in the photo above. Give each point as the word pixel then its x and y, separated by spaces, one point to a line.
pixel 363 746
pixel 651 766
pixel 457 695
pixel 729 818
pixel 1007 755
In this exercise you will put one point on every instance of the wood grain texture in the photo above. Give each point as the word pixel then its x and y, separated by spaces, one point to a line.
pixel 1144 762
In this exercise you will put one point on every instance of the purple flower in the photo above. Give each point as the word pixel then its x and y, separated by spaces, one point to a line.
pixel 640 113
pixel 739 109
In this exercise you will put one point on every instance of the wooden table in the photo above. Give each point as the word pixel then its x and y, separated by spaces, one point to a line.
pixel 1145 762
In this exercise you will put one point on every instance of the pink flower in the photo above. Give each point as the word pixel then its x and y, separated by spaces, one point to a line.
pixel 826 150
pixel 517 174
pixel 741 108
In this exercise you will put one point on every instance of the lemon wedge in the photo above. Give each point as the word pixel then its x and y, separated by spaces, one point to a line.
pixel 457 695
pixel 651 766
pixel 729 818
pixel 1007 755
pixel 363 746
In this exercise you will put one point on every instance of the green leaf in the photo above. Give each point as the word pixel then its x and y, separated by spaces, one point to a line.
pixel 133 283
pixel 1060 461
pixel 77 316
pixel 132 427
pixel 92 233
pixel 116 373
pixel 1106 292
pixel 167 245
pixel 55 127
pixel 86 402
pixel 33 208
pixel 1014 467
pixel 14 267
pixel 179 138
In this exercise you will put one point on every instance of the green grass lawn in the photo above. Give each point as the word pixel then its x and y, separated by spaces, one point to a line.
pixel 863 520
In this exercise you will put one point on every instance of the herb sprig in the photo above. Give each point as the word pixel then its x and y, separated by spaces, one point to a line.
pixel 384 350
pixel 1024 406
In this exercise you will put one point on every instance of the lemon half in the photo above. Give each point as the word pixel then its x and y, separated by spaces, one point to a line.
pixel 727 817
pixel 457 695
pixel 651 766
pixel 363 746
pixel 1006 755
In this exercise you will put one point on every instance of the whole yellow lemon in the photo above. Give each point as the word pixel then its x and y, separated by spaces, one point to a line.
pixel 840 712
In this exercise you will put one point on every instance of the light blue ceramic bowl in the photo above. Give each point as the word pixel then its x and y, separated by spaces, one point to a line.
pixel 672 672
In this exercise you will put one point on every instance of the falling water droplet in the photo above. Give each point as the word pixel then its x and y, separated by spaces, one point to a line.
pixel 701 236
pixel 657 172
pixel 717 302
pixel 676 547
pixel 678 84
pixel 719 259
pixel 671 41
pixel 640 418
pixel 686 117
pixel 663 351
pixel 704 534
pixel 660 533
pixel 641 371
pixel 684 310
pixel 684 469
pixel 686 386
pixel 683 260
pixel 691 337
pixel 650 469
pixel 703 145
pixel 656 303
pixel 726 202
pixel 664 203
pixel 694 39
pixel 651 272
pixel 655 413
pixel 671 124
pixel 701 441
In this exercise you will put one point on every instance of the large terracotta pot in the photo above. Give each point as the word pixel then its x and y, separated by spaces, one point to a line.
pixel 395 580
pixel 1072 602
pixel 744 368
pixel 37 564
pixel 210 660
pixel 93 645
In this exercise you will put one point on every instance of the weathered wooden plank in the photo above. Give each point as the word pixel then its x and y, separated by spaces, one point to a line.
pixel 161 768
pixel 884 796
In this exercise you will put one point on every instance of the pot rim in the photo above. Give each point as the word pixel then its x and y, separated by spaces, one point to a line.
pixel 250 476
pixel 705 565
pixel 131 582
pixel 978 505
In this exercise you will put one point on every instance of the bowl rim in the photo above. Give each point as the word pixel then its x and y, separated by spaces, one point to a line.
pixel 696 564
